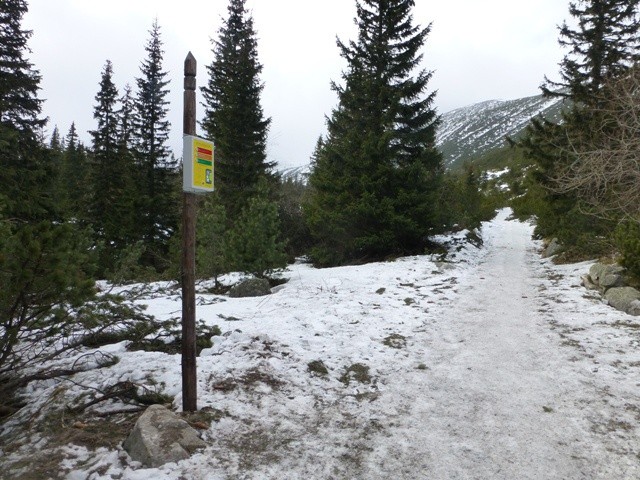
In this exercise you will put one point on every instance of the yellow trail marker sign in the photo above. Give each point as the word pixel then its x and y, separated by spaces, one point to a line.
pixel 197 165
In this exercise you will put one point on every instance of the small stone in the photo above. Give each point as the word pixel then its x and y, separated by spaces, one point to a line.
pixel 200 425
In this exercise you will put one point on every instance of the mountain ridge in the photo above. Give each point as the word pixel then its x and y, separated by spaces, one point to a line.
pixel 469 132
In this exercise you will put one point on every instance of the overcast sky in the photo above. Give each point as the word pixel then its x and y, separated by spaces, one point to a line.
pixel 478 50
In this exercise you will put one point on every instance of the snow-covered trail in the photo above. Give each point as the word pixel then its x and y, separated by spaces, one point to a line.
pixel 501 390
pixel 495 365
pixel 502 398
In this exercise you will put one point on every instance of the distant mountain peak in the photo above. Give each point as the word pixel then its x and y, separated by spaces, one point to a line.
pixel 469 132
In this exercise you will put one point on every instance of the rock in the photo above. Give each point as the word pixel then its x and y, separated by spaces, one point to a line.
pixel 552 249
pixel 606 276
pixel 626 299
pixel 610 280
pixel 595 272
pixel 600 270
pixel 253 287
pixel 159 437
pixel 443 266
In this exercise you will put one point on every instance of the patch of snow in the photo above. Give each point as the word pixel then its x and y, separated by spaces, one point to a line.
pixel 493 174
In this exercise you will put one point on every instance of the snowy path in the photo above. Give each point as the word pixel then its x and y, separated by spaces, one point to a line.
pixel 502 400
pixel 497 366
pixel 492 382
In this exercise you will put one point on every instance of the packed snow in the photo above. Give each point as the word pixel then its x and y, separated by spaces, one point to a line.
pixel 490 363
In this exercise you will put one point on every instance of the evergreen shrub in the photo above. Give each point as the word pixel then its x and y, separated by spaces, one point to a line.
pixel 627 237
pixel 254 244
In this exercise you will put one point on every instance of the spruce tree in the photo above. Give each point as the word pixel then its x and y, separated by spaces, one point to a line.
pixel 43 261
pixel 132 200
pixel 105 145
pixel 375 177
pixel 151 107
pixel 126 126
pixel 56 156
pixel 254 245
pixel 19 82
pixel 23 171
pixel 151 133
pixel 603 45
pixel 111 202
pixel 74 178
pixel 55 143
pixel 234 118
pixel 72 140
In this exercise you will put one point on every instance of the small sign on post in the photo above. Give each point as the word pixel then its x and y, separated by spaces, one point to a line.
pixel 198 155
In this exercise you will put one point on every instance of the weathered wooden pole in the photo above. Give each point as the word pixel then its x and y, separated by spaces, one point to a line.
pixel 189 380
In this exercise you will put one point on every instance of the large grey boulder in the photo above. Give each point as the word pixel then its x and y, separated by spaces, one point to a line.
pixel 253 287
pixel 607 276
pixel 159 437
pixel 626 299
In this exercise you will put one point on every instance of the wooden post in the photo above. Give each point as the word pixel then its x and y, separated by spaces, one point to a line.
pixel 189 380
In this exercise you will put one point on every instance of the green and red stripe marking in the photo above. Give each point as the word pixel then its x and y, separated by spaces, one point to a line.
pixel 204 156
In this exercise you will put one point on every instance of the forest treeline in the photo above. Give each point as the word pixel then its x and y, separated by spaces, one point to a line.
pixel 72 214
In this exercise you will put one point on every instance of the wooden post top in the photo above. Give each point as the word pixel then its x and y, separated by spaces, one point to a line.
pixel 190 65
pixel 190 68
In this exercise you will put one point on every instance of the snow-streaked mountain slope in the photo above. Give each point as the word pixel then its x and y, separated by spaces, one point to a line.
pixel 468 132
pixel 299 174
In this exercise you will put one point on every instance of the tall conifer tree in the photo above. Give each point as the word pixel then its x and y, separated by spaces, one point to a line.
pixel 132 200
pixel 110 204
pixel 151 134
pixel 375 176
pixel 126 121
pixel 105 143
pixel 56 154
pixel 22 172
pixel 151 107
pixel 75 177
pixel 55 143
pixel 19 82
pixel 233 113
pixel 604 43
